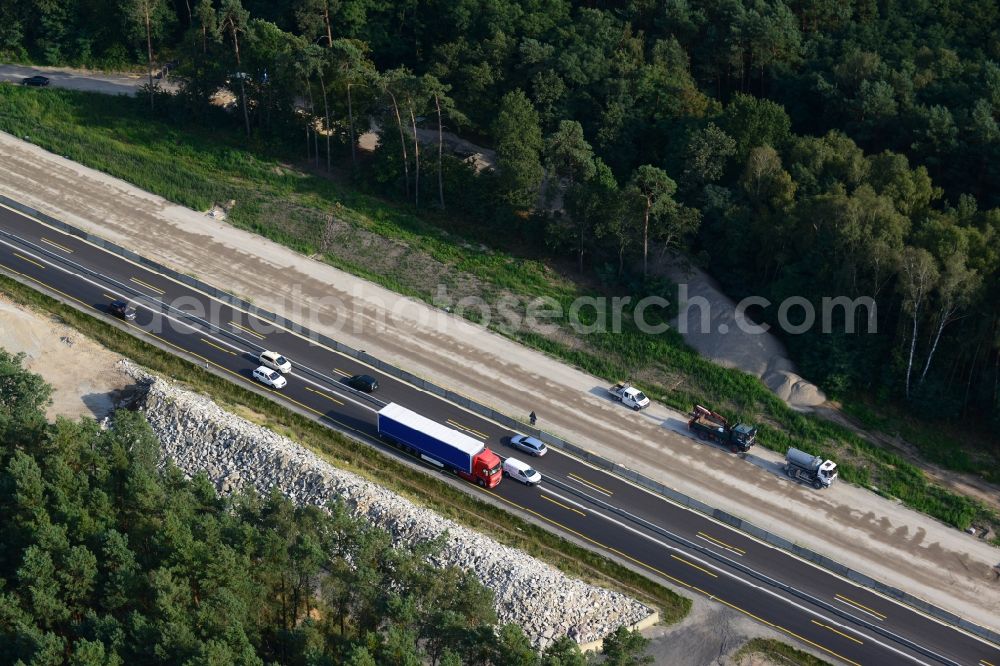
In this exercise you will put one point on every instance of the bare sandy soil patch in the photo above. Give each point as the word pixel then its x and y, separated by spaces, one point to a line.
pixel 84 375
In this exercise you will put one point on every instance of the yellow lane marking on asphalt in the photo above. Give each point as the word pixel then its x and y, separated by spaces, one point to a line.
pixel 325 395
pixel 985 663
pixel 826 626
pixel 496 496
pixel 692 564
pixel 565 506
pixel 664 574
pixel 221 349
pixel 868 610
pixel 191 353
pixel 247 330
pixel 341 372
pixel 147 285
pixel 471 431
pixel 57 245
pixel 721 543
pixel 30 261
pixel 110 297
pixel 591 484
pixel 28 277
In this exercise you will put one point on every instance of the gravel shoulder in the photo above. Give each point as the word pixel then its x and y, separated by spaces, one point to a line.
pixel 848 524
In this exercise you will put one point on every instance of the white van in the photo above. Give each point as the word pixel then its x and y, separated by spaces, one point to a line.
pixel 521 471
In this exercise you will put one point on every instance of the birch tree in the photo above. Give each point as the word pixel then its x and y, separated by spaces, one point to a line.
pixel 955 290
pixel 918 274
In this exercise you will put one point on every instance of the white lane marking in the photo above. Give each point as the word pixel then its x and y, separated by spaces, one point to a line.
pixel 188 326
pixel 599 512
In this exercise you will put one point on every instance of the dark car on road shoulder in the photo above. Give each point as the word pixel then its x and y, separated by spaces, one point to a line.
pixel 365 383
pixel 122 310
pixel 37 81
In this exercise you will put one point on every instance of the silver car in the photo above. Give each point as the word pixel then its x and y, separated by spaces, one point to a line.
pixel 275 361
pixel 530 445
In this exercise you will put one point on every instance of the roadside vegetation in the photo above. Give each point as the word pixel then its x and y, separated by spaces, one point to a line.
pixel 108 559
pixel 348 454
pixel 389 243
pixel 776 653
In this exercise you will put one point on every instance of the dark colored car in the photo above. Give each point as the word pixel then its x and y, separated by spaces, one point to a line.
pixel 365 383
pixel 122 310
pixel 35 81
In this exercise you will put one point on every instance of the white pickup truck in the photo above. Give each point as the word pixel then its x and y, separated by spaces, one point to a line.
pixel 629 395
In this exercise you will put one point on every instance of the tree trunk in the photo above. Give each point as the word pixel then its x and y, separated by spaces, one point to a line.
pixel 416 159
pixel 187 3
pixel 149 51
pixel 645 239
pixel 312 122
pixel 326 116
pixel 402 143
pixel 326 20
pixel 945 317
pixel 350 117
pixel 913 349
pixel 246 111
pixel 243 88
pixel 437 103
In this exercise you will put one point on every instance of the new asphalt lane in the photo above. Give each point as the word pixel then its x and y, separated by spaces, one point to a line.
pixel 604 512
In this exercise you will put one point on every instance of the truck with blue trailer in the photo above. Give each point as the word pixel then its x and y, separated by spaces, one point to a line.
pixel 439 445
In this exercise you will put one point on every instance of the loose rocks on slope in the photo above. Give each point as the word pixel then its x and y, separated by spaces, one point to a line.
pixel 198 436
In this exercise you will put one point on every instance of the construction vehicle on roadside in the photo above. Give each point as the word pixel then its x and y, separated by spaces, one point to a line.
pixel 709 425
pixel 812 469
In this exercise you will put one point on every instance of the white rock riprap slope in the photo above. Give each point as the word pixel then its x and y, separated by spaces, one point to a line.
pixel 199 436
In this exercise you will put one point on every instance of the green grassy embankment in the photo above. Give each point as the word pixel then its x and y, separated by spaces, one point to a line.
pixel 389 244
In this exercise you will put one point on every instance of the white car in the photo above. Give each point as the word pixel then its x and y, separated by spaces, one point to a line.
pixel 276 361
pixel 521 471
pixel 269 377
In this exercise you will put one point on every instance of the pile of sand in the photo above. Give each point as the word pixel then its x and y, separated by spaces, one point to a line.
pixel 707 321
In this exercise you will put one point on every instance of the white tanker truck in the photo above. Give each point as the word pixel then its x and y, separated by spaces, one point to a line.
pixel 809 468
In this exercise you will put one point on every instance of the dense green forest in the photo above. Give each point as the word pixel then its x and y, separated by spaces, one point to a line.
pixel 106 559
pixel 813 147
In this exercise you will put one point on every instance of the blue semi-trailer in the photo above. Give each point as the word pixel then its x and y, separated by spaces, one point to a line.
pixel 439 445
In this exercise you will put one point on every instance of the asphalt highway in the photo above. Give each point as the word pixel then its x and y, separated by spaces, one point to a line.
pixel 847 623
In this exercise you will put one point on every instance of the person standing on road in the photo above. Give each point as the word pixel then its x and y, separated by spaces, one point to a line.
pixel 532 418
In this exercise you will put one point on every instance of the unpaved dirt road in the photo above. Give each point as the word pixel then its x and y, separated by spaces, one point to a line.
pixel 111 83
pixel 848 524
